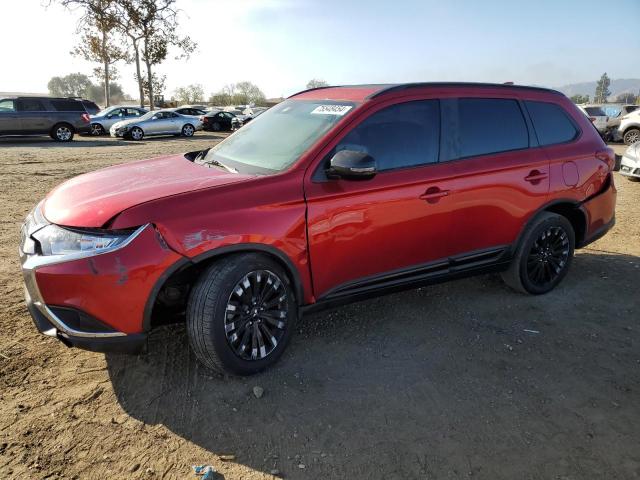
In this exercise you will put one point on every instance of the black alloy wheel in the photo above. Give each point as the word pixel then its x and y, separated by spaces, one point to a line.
pixel 241 313
pixel 543 255
pixel 548 256
pixel 256 315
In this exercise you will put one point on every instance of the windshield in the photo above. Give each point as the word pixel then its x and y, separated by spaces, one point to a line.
pixel 276 139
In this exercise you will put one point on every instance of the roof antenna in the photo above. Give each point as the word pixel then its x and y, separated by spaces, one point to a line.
pixel 508 83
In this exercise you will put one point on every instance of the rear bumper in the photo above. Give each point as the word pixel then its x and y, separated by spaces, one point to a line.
pixel 600 211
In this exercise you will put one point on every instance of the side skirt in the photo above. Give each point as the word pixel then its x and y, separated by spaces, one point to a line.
pixel 495 259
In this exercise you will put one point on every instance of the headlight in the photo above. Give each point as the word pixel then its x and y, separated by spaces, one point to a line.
pixel 55 240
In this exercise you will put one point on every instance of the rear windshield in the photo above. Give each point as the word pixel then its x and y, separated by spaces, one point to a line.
pixel 595 111
pixel 67 106
pixel 278 137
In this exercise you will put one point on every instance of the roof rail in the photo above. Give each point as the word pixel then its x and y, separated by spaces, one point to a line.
pixel 312 89
pixel 405 86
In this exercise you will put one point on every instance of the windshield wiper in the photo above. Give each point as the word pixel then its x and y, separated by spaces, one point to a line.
pixel 213 162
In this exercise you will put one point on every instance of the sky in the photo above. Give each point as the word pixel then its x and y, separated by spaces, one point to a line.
pixel 281 44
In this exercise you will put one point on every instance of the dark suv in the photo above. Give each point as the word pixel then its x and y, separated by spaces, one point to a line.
pixel 60 118
pixel 331 196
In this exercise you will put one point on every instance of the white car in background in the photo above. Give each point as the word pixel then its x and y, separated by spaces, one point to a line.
pixel 630 164
pixel 629 128
pixel 102 121
pixel 597 116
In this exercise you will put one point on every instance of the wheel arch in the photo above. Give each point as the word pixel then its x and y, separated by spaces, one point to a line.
pixel 570 209
pixel 190 269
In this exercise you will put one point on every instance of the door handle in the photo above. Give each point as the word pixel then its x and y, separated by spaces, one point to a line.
pixel 535 177
pixel 433 194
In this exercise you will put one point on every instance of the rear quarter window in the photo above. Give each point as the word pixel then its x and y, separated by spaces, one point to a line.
pixel 67 106
pixel 551 123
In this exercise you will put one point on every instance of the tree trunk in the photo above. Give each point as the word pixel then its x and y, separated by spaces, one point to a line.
pixel 139 73
pixel 149 74
pixel 107 96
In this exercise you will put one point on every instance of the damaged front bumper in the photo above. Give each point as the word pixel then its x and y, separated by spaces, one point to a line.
pixel 93 300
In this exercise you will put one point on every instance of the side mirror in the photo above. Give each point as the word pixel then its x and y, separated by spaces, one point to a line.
pixel 352 165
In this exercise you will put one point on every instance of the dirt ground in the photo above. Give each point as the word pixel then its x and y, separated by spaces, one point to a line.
pixel 461 380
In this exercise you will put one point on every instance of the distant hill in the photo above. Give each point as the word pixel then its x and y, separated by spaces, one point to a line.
pixel 618 86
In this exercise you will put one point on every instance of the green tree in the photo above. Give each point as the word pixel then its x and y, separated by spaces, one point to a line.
pixel 190 94
pixel 241 93
pixel 72 85
pixel 316 83
pixel 153 23
pixel 602 89
pixel 578 99
pixel 155 88
pixel 98 42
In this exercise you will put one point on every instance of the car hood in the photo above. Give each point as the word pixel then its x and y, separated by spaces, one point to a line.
pixel 633 151
pixel 92 199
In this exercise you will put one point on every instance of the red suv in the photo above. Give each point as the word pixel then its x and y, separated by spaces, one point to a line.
pixel 333 195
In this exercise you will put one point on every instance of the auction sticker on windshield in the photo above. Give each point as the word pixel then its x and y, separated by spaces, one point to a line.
pixel 331 109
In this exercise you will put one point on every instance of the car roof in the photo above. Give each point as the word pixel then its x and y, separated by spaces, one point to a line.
pixel 361 93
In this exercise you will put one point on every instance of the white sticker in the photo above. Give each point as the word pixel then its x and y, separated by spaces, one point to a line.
pixel 331 109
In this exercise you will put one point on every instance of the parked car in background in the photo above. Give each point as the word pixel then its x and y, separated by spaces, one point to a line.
pixel 333 196
pixel 597 116
pixel 616 113
pixel 159 122
pixel 630 164
pixel 59 118
pixel 91 107
pixel 629 128
pixel 218 121
pixel 102 122
pixel 189 111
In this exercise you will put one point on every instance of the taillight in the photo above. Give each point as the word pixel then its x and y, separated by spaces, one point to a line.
pixel 204 119
pixel 85 117
pixel 593 119
pixel 607 156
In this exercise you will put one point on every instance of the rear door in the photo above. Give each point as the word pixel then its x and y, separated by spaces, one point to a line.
pixel 364 232
pixel 499 178
pixel 33 116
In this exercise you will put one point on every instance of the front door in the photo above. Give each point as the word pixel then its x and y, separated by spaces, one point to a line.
pixel 371 231
pixel 9 123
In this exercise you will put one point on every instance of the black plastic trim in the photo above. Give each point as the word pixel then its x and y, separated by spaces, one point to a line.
pixel 598 234
pixel 461 266
pixel 431 272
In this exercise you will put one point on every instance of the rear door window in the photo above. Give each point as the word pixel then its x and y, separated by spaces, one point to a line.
pixel 595 111
pixel 31 105
pixel 399 136
pixel 482 126
pixel 551 123
pixel 67 106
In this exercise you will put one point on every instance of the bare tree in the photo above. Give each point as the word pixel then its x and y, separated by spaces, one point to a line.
pixel 98 42
pixel 189 94
pixel 151 26
pixel 317 83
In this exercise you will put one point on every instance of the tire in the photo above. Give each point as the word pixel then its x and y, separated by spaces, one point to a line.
pixel 96 130
pixel 631 136
pixel 136 133
pixel 222 319
pixel 634 179
pixel 62 132
pixel 216 127
pixel 188 130
pixel 543 257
